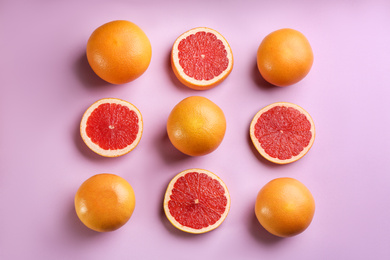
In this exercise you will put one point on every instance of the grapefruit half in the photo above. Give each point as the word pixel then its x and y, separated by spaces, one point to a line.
pixel 111 127
pixel 196 201
pixel 282 132
pixel 201 58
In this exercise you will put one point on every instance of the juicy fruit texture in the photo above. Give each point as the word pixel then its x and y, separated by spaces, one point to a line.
pixel 282 132
pixel 285 207
pixel 111 127
pixel 196 201
pixel 201 58
pixel 196 126
pixel 104 202
pixel 284 57
pixel 119 52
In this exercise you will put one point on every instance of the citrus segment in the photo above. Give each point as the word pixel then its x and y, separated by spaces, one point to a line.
pixel 201 58
pixel 104 202
pixel 196 201
pixel 285 207
pixel 111 127
pixel 282 132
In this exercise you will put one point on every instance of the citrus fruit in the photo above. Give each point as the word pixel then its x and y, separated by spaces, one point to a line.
pixel 111 127
pixel 284 57
pixel 282 132
pixel 201 58
pixel 196 201
pixel 196 126
pixel 119 51
pixel 104 202
pixel 285 207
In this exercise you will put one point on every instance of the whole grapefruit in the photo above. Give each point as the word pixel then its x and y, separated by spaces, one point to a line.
pixel 196 126
pixel 104 202
pixel 285 207
pixel 119 51
pixel 284 57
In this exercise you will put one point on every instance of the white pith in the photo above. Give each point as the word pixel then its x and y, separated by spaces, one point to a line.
pixel 258 145
pixel 168 194
pixel 175 57
pixel 96 148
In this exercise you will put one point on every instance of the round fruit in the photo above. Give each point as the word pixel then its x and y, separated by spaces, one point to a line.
pixel 282 132
pixel 285 207
pixel 196 126
pixel 104 202
pixel 201 58
pixel 196 201
pixel 284 57
pixel 111 127
pixel 119 51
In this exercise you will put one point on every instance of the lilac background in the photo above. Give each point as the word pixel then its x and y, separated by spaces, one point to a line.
pixel 47 84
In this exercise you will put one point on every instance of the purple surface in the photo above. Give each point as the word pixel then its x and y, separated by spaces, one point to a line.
pixel 47 84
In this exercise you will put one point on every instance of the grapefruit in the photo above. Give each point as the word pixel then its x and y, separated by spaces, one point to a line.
pixel 201 58
pixel 111 127
pixel 104 202
pixel 284 57
pixel 285 207
pixel 196 126
pixel 196 201
pixel 119 51
pixel 282 132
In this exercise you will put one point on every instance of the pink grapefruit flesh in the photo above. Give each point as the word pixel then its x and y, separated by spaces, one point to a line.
pixel 196 201
pixel 282 132
pixel 201 58
pixel 111 127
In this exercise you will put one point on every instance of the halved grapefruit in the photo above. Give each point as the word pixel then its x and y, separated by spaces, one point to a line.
pixel 111 127
pixel 282 132
pixel 196 201
pixel 201 58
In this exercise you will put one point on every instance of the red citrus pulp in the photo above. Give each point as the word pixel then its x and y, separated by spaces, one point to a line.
pixel 111 127
pixel 196 201
pixel 282 132
pixel 201 58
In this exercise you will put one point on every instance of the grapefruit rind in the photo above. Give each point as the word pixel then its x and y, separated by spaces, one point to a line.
pixel 181 227
pixel 257 144
pixel 191 82
pixel 96 148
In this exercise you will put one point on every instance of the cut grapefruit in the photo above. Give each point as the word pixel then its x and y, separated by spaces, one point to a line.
pixel 201 58
pixel 111 127
pixel 196 201
pixel 282 132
